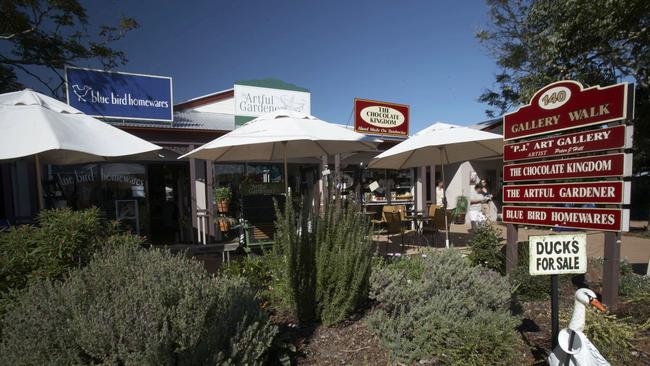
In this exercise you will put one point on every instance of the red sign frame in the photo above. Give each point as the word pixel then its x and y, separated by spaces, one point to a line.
pixel 617 219
pixel 618 137
pixel 618 191
pixel 384 111
pixel 612 165
pixel 565 105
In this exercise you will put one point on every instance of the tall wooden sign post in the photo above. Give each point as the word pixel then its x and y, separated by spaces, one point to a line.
pixel 566 155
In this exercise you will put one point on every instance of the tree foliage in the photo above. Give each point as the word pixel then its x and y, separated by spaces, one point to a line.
pixel 38 38
pixel 596 42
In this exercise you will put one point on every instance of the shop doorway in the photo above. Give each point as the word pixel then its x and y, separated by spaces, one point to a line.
pixel 169 203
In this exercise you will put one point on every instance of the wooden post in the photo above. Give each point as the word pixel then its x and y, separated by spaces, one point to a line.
pixel 512 247
pixel 39 183
pixel 193 210
pixel 611 267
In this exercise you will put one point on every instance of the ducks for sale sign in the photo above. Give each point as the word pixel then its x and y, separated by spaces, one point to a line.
pixel 557 254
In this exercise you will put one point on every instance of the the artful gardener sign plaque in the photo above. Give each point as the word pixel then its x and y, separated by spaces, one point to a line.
pixel 120 95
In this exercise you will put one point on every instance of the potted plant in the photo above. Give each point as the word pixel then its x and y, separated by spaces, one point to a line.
pixel 459 212
pixel 223 196
pixel 225 222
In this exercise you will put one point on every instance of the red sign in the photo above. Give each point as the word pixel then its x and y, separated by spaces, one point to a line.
pixel 381 118
pixel 601 139
pixel 609 192
pixel 606 219
pixel 565 105
pixel 614 165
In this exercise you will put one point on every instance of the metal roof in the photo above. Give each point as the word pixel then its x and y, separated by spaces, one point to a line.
pixel 191 120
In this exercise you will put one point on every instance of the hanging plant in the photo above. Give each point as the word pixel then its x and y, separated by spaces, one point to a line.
pixel 223 195
pixel 225 222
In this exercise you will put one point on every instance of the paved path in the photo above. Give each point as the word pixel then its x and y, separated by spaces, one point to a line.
pixel 634 247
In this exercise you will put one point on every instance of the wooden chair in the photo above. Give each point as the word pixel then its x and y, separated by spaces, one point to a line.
pixel 394 225
pixel 436 221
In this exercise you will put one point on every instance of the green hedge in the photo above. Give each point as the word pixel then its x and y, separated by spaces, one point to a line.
pixel 61 240
pixel 137 307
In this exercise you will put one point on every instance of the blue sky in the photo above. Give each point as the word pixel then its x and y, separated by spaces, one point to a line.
pixel 421 53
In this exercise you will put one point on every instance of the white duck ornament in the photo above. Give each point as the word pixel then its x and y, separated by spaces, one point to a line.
pixel 574 348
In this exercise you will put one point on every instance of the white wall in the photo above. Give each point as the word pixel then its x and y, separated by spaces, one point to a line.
pixel 226 106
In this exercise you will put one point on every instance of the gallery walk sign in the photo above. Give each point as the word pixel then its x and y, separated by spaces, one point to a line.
pixel 120 95
pixel 566 105
pixel 381 118
pixel 593 157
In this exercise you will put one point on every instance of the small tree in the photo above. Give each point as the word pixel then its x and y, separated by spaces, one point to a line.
pixel 39 38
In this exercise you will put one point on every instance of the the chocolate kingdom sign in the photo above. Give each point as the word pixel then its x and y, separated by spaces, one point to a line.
pixel 566 105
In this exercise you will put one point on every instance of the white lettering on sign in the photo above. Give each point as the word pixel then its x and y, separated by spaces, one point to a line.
pixel 557 254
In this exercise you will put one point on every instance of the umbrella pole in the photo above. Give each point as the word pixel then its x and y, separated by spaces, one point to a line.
pixel 39 185
pixel 444 198
pixel 286 173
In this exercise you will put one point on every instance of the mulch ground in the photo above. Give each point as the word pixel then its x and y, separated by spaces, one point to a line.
pixel 352 343
pixel 535 329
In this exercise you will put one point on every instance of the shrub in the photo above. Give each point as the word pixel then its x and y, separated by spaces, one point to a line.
pixel 453 313
pixel 613 337
pixel 343 261
pixel 327 259
pixel 636 289
pixel 529 287
pixel 62 240
pixel 137 307
pixel 267 275
pixel 295 241
pixel 486 248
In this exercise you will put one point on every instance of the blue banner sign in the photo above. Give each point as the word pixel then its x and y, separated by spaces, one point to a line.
pixel 120 95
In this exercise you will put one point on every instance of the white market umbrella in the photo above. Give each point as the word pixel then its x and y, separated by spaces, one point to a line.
pixel 440 144
pixel 33 124
pixel 283 135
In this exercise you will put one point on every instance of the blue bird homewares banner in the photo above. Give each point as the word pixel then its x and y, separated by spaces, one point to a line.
pixel 120 95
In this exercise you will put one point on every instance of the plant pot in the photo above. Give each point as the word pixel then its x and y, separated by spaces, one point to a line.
pixel 224 226
pixel 460 219
pixel 223 206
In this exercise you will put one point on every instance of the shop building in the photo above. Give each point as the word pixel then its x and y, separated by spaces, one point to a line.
pixel 171 201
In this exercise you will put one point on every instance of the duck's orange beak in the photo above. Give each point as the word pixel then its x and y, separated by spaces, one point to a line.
pixel 597 305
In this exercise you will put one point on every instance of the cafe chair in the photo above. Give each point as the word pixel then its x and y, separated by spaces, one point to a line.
pixel 394 226
pixel 436 221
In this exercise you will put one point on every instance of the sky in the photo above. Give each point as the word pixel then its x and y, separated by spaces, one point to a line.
pixel 420 53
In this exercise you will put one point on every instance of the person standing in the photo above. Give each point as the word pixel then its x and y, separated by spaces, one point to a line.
pixel 440 193
pixel 488 208
pixel 476 201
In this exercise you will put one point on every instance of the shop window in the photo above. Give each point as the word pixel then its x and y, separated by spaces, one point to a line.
pixel 117 189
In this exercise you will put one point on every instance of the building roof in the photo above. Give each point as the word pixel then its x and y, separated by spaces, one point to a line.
pixel 205 99
pixel 191 120
pixel 486 125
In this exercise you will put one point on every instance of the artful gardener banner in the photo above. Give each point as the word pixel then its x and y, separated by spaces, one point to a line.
pixel 120 95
